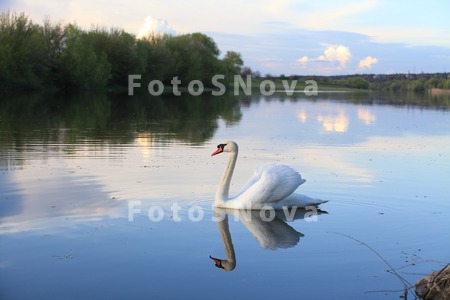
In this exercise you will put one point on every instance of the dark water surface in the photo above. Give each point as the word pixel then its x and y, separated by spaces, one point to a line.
pixel 110 197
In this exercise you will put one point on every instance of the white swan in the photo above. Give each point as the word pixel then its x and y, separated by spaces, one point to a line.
pixel 270 186
pixel 273 234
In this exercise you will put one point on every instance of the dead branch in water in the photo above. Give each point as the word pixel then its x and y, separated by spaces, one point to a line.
pixel 408 286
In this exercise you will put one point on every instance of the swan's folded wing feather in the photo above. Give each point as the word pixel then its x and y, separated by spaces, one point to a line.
pixel 255 178
pixel 269 184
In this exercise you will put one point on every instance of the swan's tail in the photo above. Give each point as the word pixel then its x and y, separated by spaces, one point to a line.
pixel 300 200
pixel 317 202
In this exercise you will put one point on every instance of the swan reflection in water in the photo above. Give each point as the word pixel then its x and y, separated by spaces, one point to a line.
pixel 274 234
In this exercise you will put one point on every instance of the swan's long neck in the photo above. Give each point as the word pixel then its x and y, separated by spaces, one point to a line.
pixel 224 185
pixel 230 263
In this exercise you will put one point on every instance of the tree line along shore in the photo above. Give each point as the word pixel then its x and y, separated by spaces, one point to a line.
pixel 66 57
pixel 390 82
pixel 54 55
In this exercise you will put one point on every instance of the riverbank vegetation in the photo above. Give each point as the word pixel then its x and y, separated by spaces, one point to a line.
pixel 399 82
pixel 386 82
pixel 381 82
pixel 60 56
pixel 64 56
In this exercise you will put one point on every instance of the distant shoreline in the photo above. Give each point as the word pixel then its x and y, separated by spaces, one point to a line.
pixel 436 91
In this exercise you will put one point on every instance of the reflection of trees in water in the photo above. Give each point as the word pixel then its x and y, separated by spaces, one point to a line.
pixel 115 118
pixel 188 119
pixel 412 99
pixel 96 120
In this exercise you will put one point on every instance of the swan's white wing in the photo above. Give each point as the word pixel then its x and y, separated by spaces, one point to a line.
pixel 269 184
pixel 255 178
pixel 270 235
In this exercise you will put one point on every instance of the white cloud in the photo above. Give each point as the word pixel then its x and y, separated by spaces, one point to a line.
pixel 304 59
pixel 154 26
pixel 337 53
pixel 333 53
pixel 367 62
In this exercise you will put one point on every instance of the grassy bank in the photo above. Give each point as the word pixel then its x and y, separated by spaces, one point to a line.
pixel 282 84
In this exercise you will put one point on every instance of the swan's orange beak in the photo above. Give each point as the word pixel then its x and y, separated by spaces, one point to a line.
pixel 219 150
pixel 217 261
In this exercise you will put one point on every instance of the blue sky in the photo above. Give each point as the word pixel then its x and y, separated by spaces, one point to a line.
pixel 285 36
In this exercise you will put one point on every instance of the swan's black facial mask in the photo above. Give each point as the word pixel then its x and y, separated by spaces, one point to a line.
pixel 218 262
pixel 219 149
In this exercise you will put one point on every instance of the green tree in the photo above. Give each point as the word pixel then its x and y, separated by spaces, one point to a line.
pixel 446 84
pixel 21 52
pixel 233 62
pixel 433 82
pixel 80 67
pixel 417 85
pixel 53 39
pixel 154 57
pixel 120 50
pixel 195 57
pixel 358 82
pixel 398 85
pixel 245 71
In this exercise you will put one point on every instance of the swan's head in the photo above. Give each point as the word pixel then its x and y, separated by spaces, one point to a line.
pixel 229 146
pixel 224 264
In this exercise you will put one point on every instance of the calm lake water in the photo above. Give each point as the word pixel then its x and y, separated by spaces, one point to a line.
pixel 110 196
